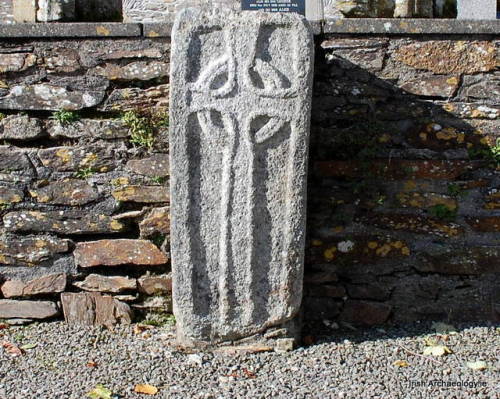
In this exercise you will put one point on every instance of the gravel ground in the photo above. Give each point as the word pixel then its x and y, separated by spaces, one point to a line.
pixel 344 364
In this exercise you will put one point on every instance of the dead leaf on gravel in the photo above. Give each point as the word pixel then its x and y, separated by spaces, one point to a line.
pixel 140 328
pixel 401 363
pixel 146 389
pixel 479 365
pixel 92 364
pixel 249 374
pixel 437 350
pixel 12 349
pixel 27 347
pixel 100 392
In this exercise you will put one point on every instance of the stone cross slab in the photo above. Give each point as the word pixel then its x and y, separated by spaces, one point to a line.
pixel 240 106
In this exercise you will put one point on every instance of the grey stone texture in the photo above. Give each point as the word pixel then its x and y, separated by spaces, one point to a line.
pixel 24 10
pixel 240 109
pixel 6 12
pixel 477 9
pixel 55 10
pixel 161 10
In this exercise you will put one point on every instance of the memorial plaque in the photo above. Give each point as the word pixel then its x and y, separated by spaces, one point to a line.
pixel 297 6
pixel 240 104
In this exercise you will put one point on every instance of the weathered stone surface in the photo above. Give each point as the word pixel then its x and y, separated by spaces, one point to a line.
pixel 14 159
pixel 149 10
pixel 157 221
pixel 99 283
pixel 61 93
pixel 24 10
pixel 155 166
pixel 71 30
pixel 21 127
pixel 432 86
pixel 55 10
pixel 449 56
pixel 29 251
pixel 415 223
pixel 161 304
pixel 98 128
pixel 71 159
pixel 142 194
pixel 316 308
pixel 398 169
pixel 118 252
pixel 362 53
pixel 12 309
pixel 10 195
pixel 321 277
pixel 473 111
pixel 62 59
pixel 485 224
pixel 327 290
pixel 456 260
pixel 140 70
pixel 155 284
pixel 16 62
pixel 476 9
pixel 135 99
pixel 348 8
pixel 238 171
pixel 94 309
pixel 50 284
pixel 66 192
pixel 358 249
pixel 60 223
pixel 404 8
pixel 365 313
pixel 483 87
pixel 370 291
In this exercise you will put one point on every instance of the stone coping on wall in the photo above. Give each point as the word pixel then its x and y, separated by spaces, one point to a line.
pixel 386 26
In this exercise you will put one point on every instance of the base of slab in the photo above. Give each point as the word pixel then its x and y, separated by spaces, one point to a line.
pixel 281 338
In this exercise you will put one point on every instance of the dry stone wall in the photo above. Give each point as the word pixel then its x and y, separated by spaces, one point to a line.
pixel 84 177
pixel 403 203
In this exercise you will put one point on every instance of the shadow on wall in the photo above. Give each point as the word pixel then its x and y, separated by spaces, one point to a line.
pixel 404 191
pixel 99 11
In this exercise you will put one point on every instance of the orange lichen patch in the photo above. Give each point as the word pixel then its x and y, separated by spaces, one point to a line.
pixel 63 154
pixel 120 181
pixel 447 133
pixel 329 253
pixel 358 249
pixel 383 250
pixel 442 57
pixel 414 223
pixel 101 30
